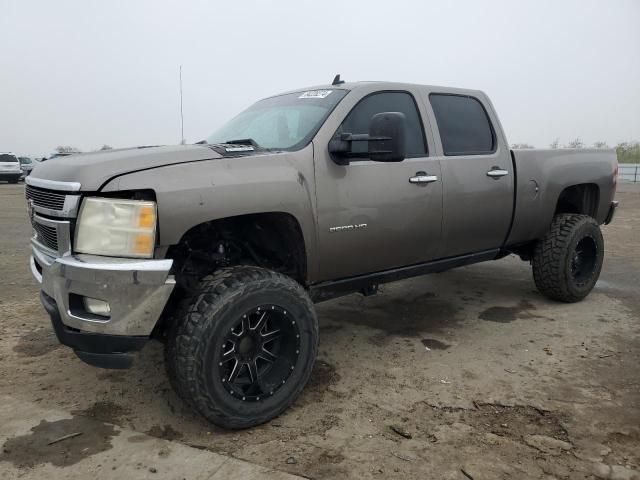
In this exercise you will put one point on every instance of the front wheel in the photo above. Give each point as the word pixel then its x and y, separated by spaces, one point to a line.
pixel 245 347
pixel 567 261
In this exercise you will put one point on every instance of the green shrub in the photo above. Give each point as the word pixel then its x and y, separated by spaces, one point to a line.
pixel 628 152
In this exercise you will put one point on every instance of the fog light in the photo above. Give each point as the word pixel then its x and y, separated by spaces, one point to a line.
pixel 96 307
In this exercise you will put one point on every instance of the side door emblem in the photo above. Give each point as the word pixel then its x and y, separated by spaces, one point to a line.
pixel 344 228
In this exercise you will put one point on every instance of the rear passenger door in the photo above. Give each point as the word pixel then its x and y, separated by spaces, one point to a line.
pixel 477 174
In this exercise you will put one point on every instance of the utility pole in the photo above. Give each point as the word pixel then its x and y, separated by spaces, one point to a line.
pixel 182 140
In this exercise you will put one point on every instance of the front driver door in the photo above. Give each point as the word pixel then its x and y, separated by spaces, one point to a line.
pixel 371 217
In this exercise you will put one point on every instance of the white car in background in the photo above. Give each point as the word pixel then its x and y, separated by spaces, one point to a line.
pixel 10 168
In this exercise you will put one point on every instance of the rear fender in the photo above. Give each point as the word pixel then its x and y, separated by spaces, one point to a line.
pixel 542 177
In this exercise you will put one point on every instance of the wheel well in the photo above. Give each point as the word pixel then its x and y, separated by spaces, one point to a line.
pixel 582 199
pixel 272 240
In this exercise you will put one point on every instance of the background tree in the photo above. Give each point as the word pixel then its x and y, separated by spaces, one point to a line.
pixel 575 143
pixel 600 144
pixel 521 145
pixel 66 149
pixel 555 144
pixel 628 152
pixel 106 147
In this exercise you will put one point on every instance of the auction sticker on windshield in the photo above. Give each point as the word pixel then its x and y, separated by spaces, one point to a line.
pixel 316 94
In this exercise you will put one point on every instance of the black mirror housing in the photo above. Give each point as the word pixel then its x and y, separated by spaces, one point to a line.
pixel 387 138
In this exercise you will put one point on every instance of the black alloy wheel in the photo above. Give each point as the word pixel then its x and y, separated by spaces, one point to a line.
pixel 259 353
pixel 583 261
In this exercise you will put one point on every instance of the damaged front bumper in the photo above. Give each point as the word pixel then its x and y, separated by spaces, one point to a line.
pixel 136 292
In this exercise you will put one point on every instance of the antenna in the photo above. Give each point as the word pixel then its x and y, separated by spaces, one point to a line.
pixel 182 140
pixel 336 80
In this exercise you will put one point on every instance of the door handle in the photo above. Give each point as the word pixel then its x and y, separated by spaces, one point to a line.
pixel 497 172
pixel 422 177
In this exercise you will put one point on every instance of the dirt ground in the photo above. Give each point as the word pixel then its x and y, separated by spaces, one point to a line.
pixel 468 374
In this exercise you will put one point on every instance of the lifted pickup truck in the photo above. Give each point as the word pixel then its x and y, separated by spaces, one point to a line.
pixel 220 249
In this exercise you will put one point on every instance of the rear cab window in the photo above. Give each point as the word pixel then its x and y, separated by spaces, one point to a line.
pixel 465 128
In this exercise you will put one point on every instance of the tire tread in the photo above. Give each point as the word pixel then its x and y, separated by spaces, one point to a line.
pixel 549 253
pixel 214 294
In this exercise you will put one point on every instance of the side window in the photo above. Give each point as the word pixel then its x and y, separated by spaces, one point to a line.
pixel 464 126
pixel 357 122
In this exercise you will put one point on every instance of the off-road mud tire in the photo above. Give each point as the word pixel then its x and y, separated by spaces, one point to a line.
pixel 555 254
pixel 195 335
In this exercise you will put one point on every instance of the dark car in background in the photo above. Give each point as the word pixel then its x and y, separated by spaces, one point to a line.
pixel 26 165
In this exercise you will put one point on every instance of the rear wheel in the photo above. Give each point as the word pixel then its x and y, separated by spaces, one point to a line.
pixel 567 261
pixel 245 348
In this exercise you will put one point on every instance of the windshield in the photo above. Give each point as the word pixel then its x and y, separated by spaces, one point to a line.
pixel 285 122
pixel 8 158
pixel 25 160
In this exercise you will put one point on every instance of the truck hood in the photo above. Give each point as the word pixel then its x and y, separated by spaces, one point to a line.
pixel 93 170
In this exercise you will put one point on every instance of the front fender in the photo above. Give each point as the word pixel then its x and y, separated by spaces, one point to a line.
pixel 193 193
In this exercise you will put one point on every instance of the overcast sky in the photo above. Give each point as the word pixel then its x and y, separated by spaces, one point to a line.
pixel 85 73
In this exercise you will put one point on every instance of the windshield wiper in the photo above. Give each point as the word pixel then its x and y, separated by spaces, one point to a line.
pixel 243 141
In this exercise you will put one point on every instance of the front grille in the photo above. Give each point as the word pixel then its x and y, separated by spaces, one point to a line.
pixel 46 235
pixel 44 198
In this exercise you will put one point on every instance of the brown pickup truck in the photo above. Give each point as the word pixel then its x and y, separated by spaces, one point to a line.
pixel 220 249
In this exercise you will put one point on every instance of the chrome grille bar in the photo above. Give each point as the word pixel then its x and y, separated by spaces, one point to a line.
pixel 53 236
pixel 48 236
pixel 52 184
pixel 51 203
pixel 52 207
pixel 45 199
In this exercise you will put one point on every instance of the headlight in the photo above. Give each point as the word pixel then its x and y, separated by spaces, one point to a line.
pixel 118 228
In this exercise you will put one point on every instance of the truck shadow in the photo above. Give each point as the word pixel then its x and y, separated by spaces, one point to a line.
pixel 436 304
pixel 396 314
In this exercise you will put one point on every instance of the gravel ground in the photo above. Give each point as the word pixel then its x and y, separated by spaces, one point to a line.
pixel 466 374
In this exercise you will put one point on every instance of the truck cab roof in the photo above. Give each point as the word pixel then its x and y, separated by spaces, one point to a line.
pixel 375 85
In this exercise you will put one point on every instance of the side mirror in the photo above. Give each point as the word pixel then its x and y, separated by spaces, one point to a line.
pixel 386 141
pixel 387 137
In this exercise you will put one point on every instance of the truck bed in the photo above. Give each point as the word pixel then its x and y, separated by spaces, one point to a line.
pixel 541 177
